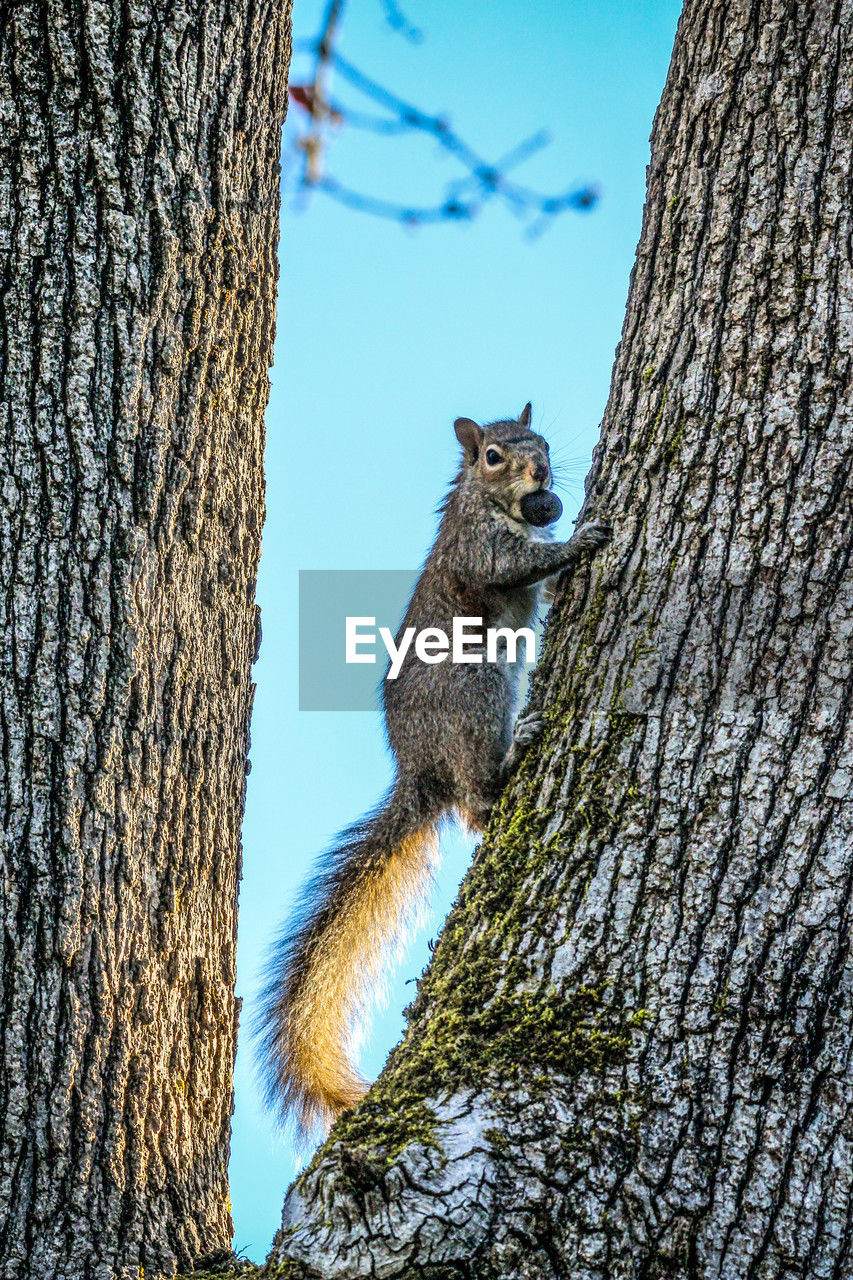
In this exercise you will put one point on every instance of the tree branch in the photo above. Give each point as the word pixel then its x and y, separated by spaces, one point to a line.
pixel 463 198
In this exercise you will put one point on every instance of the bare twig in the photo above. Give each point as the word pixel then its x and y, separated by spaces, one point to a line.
pixel 398 20
pixel 317 97
pixel 464 197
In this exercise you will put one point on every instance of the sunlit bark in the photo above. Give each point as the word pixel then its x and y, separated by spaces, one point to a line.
pixel 139 161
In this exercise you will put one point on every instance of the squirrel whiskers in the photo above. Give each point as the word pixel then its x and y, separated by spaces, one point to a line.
pixel 450 728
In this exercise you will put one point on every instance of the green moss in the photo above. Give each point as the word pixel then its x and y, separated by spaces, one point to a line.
pixel 236 1269
pixel 386 1123
pixel 658 418
pixel 219 1275
pixel 286 1270
pixel 673 448
pixel 519 1036
pixel 718 1008
pixel 646 436
pixel 496 1139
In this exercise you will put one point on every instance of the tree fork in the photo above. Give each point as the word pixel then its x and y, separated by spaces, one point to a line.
pixel 631 1054
pixel 138 231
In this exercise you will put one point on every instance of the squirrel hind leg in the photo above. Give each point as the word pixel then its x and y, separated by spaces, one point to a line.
pixel 475 810
pixel 479 786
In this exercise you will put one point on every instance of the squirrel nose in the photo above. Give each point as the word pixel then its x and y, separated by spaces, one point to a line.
pixel 539 473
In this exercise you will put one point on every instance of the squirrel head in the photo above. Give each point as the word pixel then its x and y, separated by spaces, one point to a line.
pixel 504 460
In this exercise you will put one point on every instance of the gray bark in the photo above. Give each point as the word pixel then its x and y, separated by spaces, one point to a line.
pixel 139 162
pixel 631 1055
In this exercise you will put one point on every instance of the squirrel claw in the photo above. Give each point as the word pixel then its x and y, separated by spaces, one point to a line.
pixel 527 729
pixel 592 534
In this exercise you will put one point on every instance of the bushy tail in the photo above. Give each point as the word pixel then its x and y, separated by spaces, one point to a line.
pixel 365 892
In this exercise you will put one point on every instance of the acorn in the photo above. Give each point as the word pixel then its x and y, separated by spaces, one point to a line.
pixel 541 508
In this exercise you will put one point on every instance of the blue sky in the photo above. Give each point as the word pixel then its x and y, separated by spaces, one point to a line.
pixel 384 337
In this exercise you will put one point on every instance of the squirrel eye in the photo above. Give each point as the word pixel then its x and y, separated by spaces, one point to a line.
pixel 493 457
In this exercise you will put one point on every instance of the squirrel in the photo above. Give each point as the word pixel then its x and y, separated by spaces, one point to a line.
pixel 450 729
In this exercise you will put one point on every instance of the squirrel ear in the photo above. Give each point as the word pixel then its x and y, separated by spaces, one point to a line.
pixel 525 415
pixel 470 436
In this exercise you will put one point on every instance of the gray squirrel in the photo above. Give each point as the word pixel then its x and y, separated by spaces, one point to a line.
pixel 450 728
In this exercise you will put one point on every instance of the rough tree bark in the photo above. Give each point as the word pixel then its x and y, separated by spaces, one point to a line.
pixel 139 162
pixel 631 1055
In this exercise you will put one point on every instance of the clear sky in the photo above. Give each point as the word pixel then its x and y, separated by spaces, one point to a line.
pixel 384 337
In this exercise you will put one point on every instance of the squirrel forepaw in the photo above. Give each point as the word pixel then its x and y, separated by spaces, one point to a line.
pixel 592 534
pixel 527 729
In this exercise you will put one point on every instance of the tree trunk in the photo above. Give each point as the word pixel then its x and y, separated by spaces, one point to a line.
pixel 138 227
pixel 631 1055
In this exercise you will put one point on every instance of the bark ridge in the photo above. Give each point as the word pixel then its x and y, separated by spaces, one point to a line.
pixel 139 170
